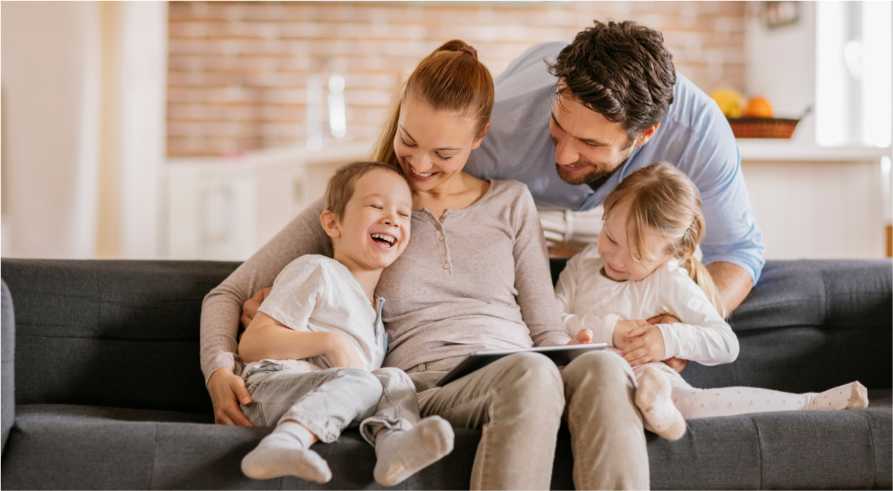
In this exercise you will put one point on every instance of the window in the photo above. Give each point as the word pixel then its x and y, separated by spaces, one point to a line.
pixel 853 68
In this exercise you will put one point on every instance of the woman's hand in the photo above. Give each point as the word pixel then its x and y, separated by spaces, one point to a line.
pixel 644 344
pixel 249 308
pixel 342 352
pixel 227 390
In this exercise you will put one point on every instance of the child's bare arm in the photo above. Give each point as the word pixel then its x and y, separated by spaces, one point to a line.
pixel 267 338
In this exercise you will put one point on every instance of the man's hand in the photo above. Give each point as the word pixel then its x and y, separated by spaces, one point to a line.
pixel 227 390
pixel 645 344
pixel 342 352
pixel 621 329
pixel 677 364
pixel 584 336
pixel 249 308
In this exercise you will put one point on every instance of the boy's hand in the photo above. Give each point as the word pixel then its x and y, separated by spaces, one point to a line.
pixel 249 308
pixel 621 329
pixel 645 344
pixel 584 336
pixel 342 353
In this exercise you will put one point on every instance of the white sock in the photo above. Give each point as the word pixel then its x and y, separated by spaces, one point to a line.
pixel 848 396
pixel 286 452
pixel 401 454
pixel 654 400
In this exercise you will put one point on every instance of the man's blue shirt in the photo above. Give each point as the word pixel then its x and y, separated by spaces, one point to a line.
pixel 694 136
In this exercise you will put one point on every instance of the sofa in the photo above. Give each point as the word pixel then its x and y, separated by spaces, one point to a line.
pixel 102 389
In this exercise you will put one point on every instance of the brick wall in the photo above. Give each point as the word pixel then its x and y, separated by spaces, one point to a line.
pixel 239 73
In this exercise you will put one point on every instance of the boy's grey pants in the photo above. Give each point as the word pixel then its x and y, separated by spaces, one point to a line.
pixel 326 401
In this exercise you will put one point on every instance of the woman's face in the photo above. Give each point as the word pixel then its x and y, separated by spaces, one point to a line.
pixel 433 145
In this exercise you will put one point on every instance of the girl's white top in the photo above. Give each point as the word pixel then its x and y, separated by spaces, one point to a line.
pixel 591 300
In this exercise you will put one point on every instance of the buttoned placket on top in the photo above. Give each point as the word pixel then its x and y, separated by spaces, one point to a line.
pixel 446 260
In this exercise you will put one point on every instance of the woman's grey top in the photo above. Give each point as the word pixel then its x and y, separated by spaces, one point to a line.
pixel 476 279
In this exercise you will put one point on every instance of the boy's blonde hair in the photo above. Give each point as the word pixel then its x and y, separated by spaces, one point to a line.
pixel 663 199
pixel 341 186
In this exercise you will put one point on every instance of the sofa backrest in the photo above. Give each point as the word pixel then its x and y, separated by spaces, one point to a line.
pixel 112 333
pixel 126 333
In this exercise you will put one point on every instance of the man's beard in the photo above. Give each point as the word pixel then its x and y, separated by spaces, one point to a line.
pixel 593 179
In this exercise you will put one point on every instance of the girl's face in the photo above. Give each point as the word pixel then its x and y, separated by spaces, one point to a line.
pixel 616 252
pixel 433 145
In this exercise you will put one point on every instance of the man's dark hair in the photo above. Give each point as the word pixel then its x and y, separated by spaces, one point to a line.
pixel 620 70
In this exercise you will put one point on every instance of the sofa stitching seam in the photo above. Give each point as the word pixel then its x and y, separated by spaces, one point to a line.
pixel 759 452
pixel 871 446
pixel 154 455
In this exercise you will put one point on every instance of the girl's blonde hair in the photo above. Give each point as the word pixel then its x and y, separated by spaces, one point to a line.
pixel 663 199
pixel 450 78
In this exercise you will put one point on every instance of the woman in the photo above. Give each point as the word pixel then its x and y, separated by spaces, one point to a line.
pixel 474 276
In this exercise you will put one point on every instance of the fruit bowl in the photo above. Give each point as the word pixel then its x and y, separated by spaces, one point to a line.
pixel 753 127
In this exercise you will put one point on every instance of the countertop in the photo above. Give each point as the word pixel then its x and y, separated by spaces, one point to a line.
pixel 772 150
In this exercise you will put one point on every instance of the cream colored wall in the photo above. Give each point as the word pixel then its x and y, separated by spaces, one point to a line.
pixel 83 128
pixel 134 52
pixel 50 82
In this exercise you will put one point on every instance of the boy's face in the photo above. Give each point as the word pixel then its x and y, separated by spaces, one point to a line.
pixel 375 227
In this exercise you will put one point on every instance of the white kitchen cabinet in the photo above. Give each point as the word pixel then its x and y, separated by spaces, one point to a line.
pixel 817 202
pixel 227 208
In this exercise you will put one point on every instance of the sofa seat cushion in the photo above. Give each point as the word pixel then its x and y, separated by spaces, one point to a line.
pixel 789 450
pixel 102 448
pixel 109 448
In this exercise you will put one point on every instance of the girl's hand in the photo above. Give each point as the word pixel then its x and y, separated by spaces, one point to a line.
pixel 249 308
pixel 342 352
pixel 677 364
pixel 227 390
pixel 584 336
pixel 622 329
pixel 645 344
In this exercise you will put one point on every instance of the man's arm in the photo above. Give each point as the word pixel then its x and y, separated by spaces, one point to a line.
pixel 733 282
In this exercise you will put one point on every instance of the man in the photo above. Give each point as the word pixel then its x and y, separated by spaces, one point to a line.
pixel 571 121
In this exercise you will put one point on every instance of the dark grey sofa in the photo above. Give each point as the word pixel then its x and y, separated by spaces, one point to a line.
pixel 108 392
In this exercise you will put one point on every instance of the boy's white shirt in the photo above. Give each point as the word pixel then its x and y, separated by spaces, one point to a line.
pixel 590 300
pixel 315 293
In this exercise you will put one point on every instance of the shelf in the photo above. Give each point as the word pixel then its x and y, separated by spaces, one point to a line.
pixel 766 150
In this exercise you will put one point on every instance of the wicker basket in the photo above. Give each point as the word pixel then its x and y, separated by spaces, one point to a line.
pixel 749 127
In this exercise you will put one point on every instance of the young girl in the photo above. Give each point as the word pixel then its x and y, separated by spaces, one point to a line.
pixel 643 265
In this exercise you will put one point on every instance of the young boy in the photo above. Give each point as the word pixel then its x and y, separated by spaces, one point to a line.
pixel 314 350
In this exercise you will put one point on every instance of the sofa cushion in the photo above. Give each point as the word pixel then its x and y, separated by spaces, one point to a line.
pixel 110 448
pixel 111 333
pixel 93 447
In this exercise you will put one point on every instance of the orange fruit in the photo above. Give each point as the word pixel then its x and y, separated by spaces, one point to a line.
pixel 758 107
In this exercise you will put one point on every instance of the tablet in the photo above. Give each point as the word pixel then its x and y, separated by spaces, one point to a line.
pixel 561 355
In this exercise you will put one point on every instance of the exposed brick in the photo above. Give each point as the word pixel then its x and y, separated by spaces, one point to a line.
pixel 239 71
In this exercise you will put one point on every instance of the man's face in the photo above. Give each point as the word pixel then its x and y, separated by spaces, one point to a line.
pixel 588 147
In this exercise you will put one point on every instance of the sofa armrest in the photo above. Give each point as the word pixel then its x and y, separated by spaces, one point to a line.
pixel 8 364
